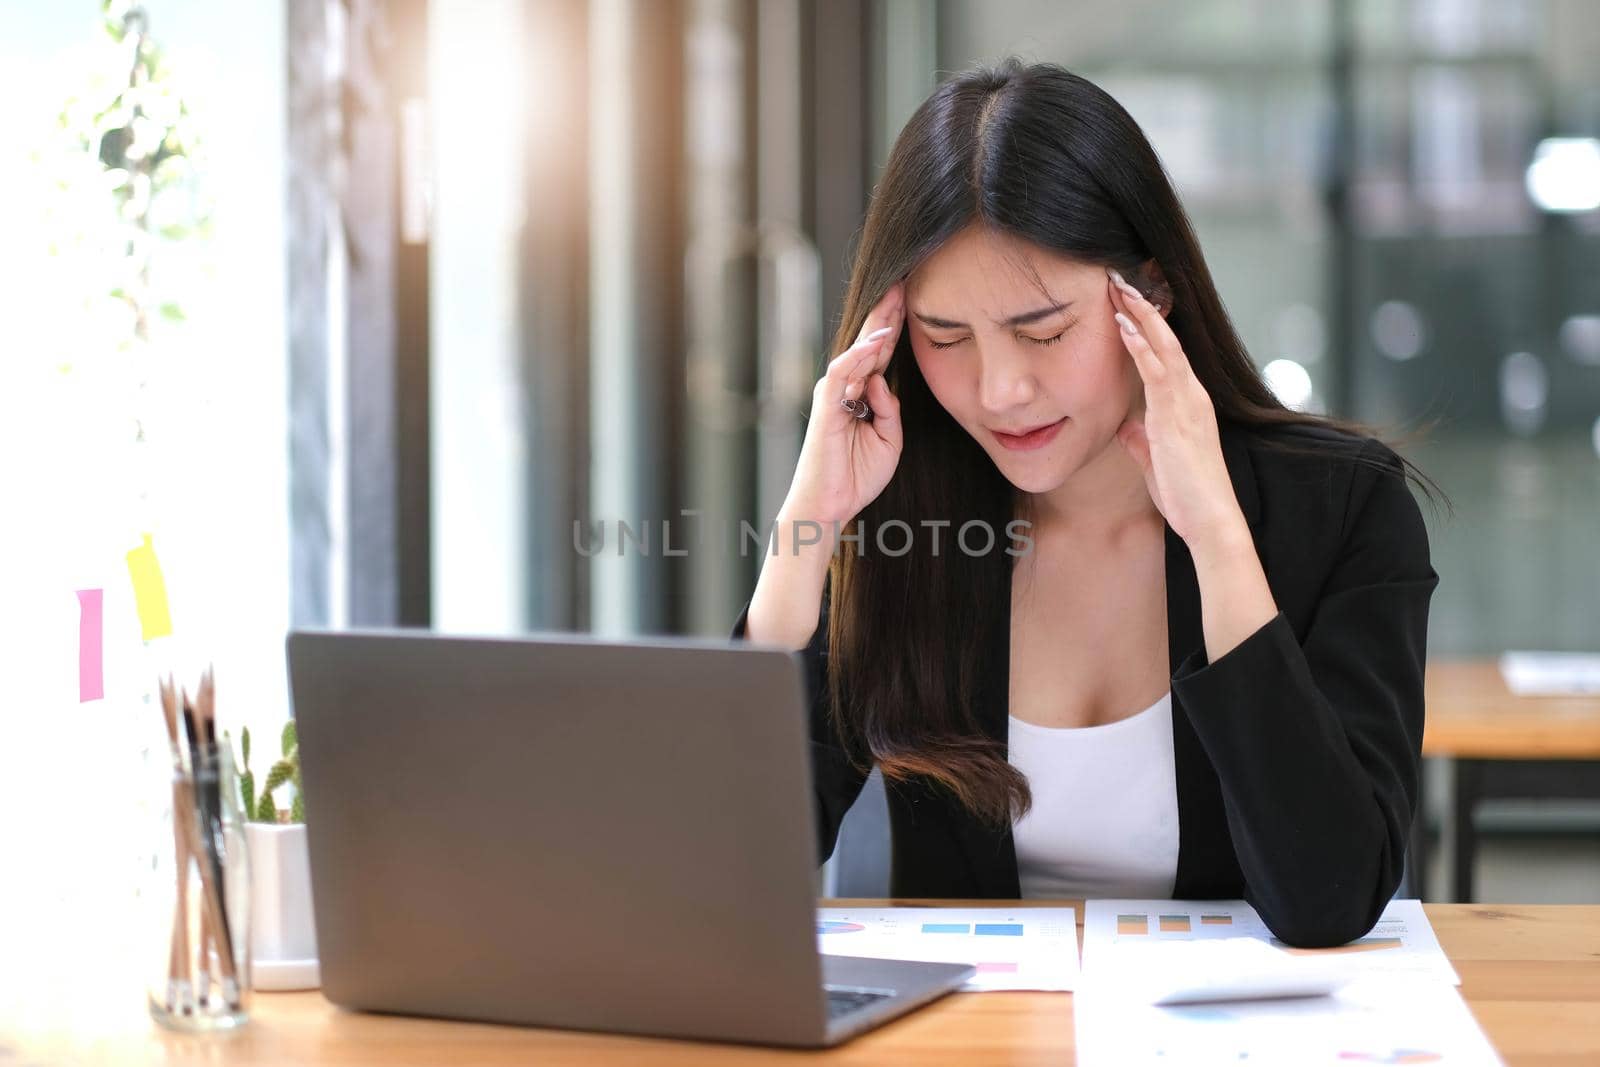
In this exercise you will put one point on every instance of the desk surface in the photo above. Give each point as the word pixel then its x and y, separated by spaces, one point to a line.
pixel 1471 714
pixel 1531 975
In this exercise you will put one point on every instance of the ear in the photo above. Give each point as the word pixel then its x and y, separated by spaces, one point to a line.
pixel 1153 283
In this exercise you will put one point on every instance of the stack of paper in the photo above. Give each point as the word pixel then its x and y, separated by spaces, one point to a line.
pixel 1537 674
pixel 1375 1020
pixel 1197 982
pixel 1024 948
pixel 1395 1001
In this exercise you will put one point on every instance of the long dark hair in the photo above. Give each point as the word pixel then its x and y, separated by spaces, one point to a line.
pixel 1047 156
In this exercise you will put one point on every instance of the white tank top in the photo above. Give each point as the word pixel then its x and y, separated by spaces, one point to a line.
pixel 1104 820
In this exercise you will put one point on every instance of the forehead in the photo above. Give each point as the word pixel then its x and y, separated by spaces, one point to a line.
pixel 986 274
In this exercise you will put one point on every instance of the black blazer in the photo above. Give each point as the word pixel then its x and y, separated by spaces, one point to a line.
pixel 1298 753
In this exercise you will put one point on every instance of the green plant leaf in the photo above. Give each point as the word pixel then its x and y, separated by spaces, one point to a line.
pixel 266 810
pixel 281 772
pixel 244 739
pixel 247 792
pixel 289 738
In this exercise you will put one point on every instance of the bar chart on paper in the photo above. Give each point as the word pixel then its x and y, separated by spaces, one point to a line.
pixel 1143 923
pixel 1030 948
pixel 1401 943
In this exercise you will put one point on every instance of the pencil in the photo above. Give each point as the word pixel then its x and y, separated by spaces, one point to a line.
pixel 179 990
pixel 220 935
pixel 200 720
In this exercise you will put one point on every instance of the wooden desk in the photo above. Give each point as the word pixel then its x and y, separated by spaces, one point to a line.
pixel 1531 975
pixel 1503 745
pixel 1472 715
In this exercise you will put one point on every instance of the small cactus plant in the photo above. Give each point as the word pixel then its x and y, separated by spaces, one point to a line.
pixel 286 770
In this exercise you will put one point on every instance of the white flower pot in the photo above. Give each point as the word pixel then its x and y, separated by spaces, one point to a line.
pixel 283 934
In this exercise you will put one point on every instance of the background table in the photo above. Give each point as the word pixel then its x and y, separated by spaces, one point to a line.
pixel 1502 745
pixel 1531 975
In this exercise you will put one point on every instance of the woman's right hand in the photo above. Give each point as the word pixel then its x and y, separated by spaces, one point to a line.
pixel 845 462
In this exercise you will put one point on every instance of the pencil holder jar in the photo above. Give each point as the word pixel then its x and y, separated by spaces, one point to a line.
pixel 201 882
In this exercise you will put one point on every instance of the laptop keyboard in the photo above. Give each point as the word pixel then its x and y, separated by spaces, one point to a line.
pixel 845 1001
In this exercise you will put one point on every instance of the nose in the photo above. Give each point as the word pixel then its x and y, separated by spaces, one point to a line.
pixel 1005 380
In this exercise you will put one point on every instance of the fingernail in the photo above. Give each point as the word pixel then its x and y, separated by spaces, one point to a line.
pixel 1126 324
pixel 1122 283
pixel 875 334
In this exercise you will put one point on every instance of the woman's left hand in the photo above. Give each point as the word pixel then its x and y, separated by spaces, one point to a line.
pixel 1174 437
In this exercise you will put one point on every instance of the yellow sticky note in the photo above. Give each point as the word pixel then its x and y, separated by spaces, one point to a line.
pixel 149 591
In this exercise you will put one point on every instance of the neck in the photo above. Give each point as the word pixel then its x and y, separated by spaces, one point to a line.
pixel 1104 497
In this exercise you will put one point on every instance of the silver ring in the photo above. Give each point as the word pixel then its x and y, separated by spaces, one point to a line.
pixel 858 408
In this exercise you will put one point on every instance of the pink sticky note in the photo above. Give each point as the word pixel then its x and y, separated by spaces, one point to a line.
pixel 91 662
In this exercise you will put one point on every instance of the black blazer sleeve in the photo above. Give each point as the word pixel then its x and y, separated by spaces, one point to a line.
pixel 1316 737
pixel 835 778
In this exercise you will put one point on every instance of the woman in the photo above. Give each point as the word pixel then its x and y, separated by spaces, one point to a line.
pixel 1190 662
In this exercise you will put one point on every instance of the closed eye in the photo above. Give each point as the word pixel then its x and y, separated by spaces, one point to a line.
pixel 1035 340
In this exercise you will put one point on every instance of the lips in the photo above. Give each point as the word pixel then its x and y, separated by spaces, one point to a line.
pixel 1024 433
pixel 1034 437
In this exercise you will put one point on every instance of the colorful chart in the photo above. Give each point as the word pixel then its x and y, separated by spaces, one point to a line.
pixel 1009 948
pixel 976 929
pixel 1170 923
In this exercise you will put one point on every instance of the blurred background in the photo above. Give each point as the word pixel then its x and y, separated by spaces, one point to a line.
pixel 366 313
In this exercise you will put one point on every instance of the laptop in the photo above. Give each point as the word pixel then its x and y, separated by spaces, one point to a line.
pixel 564 831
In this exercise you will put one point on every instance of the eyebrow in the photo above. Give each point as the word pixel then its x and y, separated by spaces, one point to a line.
pixel 1024 319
